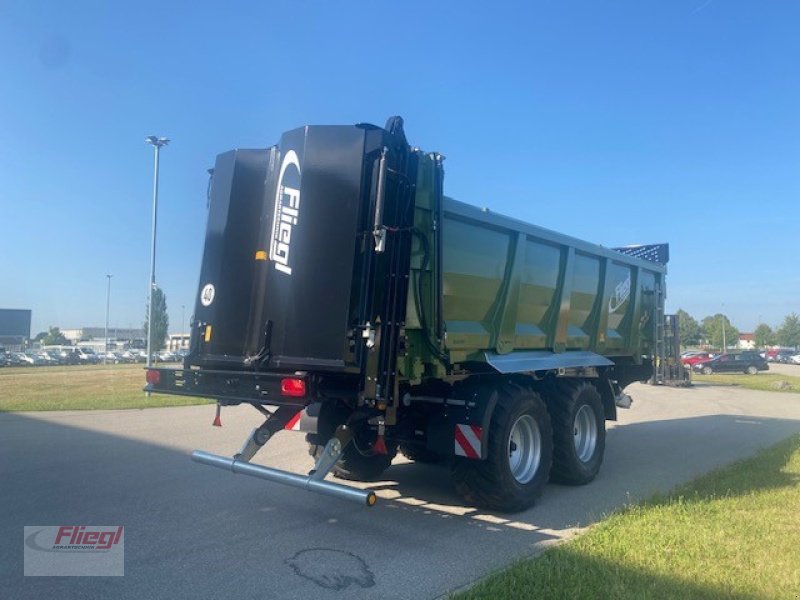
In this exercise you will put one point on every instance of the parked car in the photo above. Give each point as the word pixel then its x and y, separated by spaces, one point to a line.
pixel 120 357
pixel 88 356
pixel 40 359
pixel 134 356
pixel 19 359
pixel 780 354
pixel 15 359
pixel 166 356
pixel 696 358
pixel 742 362
pixel 107 357
pixel 795 359
pixel 62 355
pixel 70 356
pixel 138 356
pixel 784 356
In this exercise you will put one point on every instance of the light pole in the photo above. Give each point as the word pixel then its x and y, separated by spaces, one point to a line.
pixel 157 143
pixel 108 306
pixel 724 341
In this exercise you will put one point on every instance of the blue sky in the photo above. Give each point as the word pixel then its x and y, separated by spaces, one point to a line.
pixel 617 122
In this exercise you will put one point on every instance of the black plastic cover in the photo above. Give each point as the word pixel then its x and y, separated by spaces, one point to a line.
pixel 316 198
pixel 232 233
pixel 284 239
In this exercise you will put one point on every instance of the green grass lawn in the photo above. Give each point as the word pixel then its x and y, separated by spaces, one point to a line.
pixel 80 388
pixel 770 382
pixel 734 533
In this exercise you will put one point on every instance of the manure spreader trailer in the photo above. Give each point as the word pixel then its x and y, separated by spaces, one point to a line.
pixel 342 294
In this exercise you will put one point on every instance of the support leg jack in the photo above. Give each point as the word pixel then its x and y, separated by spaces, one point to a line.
pixel 314 481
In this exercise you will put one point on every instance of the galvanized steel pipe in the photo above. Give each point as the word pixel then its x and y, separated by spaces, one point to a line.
pixel 366 497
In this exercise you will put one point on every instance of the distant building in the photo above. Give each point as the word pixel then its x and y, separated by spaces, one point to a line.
pixel 15 328
pixel 178 341
pixel 115 334
pixel 747 341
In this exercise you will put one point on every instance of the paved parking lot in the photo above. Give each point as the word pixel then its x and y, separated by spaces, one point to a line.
pixel 194 531
pixel 784 369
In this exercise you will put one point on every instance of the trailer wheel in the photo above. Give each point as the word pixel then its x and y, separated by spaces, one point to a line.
pixel 520 451
pixel 358 462
pixel 579 432
pixel 420 454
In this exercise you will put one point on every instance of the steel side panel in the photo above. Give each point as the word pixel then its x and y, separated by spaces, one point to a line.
pixel 507 292
pixel 502 222
pixel 543 360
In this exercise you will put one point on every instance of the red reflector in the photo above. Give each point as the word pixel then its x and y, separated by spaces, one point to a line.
pixel 292 386
pixel 153 377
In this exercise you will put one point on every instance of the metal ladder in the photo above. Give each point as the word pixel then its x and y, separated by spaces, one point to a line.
pixel 659 351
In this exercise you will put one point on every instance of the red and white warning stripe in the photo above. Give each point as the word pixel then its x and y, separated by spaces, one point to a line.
pixel 294 423
pixel 468 440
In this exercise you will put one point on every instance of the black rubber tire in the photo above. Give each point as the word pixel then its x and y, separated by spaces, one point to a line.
pixel 708 371
pixel 564 399
pixel 751 370
pixel 357 462
pixel 420 454
pixel 490 483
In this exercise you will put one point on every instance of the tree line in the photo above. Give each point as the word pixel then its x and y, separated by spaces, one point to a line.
pixel 54 337
pixel 713 329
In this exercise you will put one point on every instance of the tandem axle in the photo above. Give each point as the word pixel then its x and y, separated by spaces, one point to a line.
pixel 514 424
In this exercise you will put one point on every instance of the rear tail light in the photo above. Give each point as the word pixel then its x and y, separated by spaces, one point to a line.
pixel 294 387
pixel 153 377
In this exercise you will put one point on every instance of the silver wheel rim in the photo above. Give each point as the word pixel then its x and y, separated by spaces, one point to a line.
pixel 524 448
pixel 585 429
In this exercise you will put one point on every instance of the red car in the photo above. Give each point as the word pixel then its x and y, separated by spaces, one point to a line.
pixel 778 354
pixel 697 358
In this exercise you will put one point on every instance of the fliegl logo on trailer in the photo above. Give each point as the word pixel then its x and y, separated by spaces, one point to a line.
pixel 287 212
pixel 621 293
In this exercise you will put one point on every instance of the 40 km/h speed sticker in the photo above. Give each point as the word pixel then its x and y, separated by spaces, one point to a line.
pixel 207 295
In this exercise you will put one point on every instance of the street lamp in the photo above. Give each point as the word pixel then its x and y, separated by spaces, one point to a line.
pixel 108 305
pixel 724 341
pixel 157 143
pixel 183 314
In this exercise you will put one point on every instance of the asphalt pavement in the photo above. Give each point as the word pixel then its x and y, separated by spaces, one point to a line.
pixel 199 532
pixel 783 369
